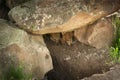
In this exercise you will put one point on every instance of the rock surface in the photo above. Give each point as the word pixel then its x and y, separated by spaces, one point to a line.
pixel 113 74
pixel 53 16
pixel 77 61
pixel 98 35
pixel 12 3
pixel 19 48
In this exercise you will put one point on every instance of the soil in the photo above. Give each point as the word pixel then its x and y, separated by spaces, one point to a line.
pixel 76 61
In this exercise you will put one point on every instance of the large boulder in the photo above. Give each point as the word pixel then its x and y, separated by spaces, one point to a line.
pixel 17 48
pixel 113 74
pixel 54 16
pixel 98 35
pixel 78 60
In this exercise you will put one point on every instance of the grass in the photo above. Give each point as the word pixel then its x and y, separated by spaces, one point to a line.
pixel 16 73
pixel 115 49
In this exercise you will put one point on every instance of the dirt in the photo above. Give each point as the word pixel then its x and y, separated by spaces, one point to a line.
pixel 77 61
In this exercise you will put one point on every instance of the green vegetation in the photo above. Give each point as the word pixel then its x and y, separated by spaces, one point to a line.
pixel 16 73
pixel 115 49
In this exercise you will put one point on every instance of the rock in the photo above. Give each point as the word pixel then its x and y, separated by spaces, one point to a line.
pixel 98 35
pixel 113 74
pixel 78 60
pixel 12 3
pixel 17 48
pixel 54 16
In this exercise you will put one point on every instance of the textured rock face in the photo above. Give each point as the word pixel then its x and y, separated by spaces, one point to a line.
pixel 113 74
pixel 13 3
pixel 18 48
pixel 78 60
pixel 52 16
pixel 98 35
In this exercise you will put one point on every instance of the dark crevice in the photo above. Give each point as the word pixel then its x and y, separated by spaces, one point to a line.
pixel 4 10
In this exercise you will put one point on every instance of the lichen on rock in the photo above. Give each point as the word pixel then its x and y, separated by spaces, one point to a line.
pixel 53 16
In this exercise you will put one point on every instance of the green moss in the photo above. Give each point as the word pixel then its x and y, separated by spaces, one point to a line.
pixel 16 73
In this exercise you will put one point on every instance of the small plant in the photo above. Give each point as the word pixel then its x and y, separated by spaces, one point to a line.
pixel 16 73
pixel 115 49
